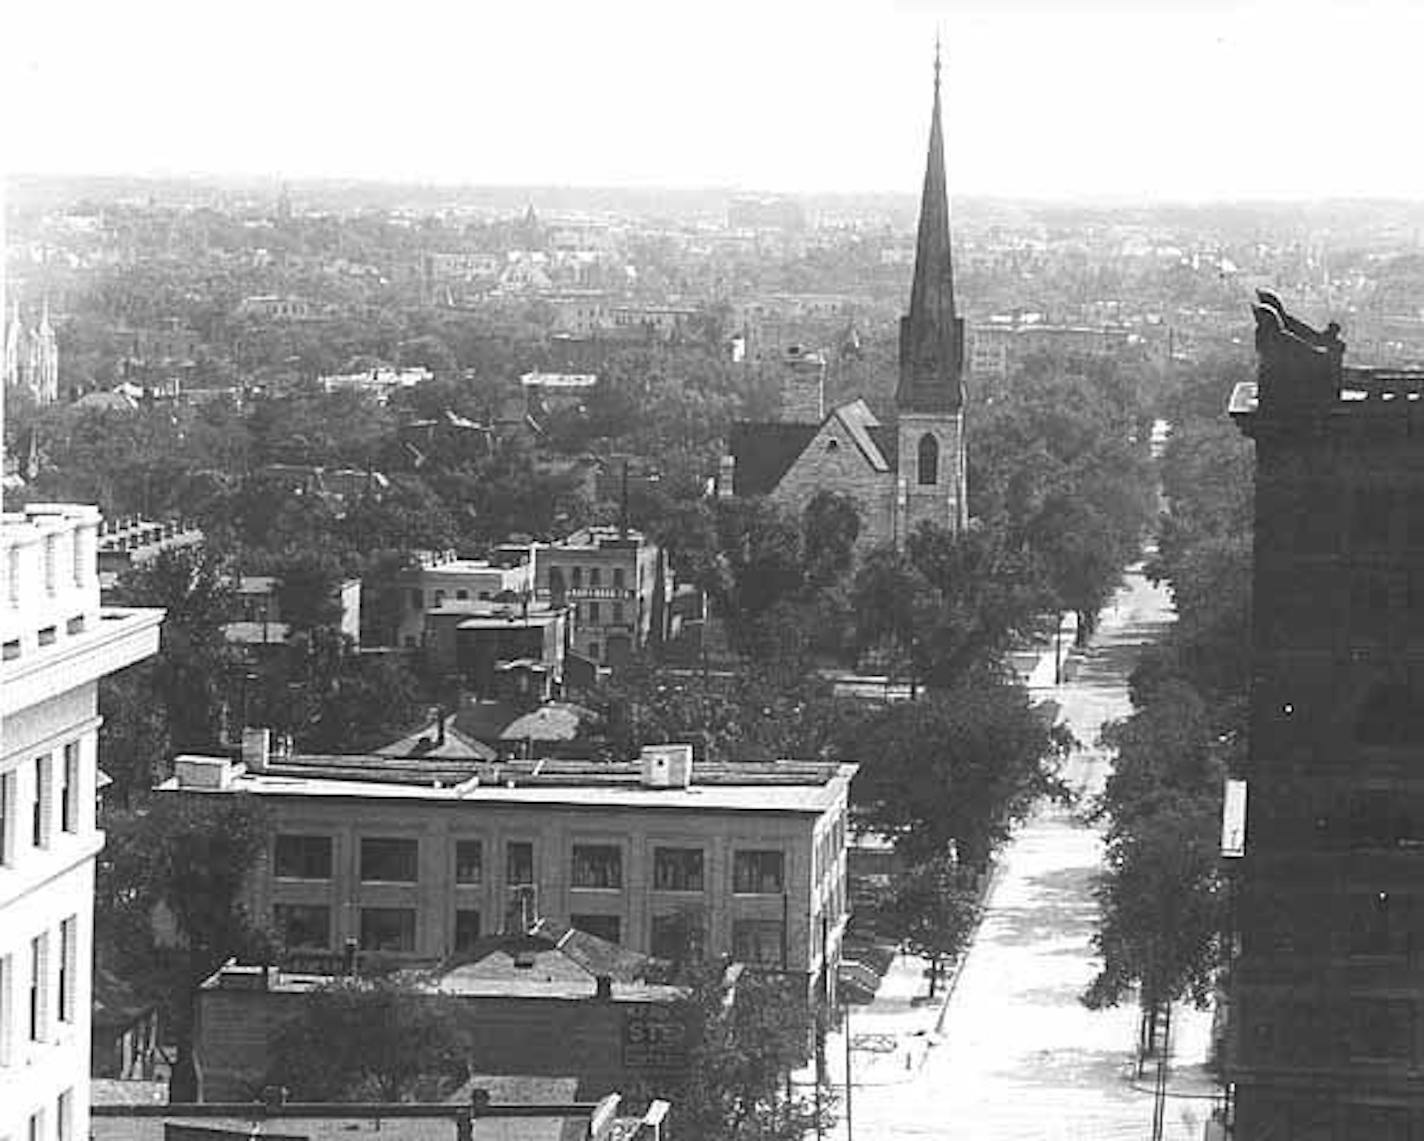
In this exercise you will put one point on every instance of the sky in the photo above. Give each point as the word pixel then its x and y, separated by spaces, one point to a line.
pixel 1044 99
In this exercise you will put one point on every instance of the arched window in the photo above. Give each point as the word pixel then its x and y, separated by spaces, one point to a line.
pixel 929 460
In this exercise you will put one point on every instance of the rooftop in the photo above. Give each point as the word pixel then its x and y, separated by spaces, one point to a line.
pixel 776 786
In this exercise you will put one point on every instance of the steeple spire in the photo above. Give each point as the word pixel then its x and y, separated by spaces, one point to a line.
pixel 931 334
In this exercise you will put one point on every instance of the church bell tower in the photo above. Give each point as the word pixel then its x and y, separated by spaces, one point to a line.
pixel 931 486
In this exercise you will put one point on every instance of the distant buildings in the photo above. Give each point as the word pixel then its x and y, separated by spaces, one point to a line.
pixel 418 859
pixel 58 641
pixel 276 308
pixel 378 384
pixel 765 212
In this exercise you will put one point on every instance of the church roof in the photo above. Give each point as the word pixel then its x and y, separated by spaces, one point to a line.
pixel 765 452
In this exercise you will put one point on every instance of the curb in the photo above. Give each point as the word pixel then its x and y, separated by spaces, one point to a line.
pixel 951 982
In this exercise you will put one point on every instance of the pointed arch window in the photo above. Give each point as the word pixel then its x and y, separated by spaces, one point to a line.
pixel 928 460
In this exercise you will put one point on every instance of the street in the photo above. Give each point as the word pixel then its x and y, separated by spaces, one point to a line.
pixel 1019 1058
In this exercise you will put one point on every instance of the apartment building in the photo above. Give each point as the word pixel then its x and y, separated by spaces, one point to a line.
pixel 419 859
pixel 57 643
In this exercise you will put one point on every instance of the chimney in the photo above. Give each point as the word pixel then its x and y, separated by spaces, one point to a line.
pixel 256 749
pixel 603 988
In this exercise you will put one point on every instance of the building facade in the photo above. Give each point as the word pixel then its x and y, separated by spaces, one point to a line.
pixel 419 860
pixel 617 585
pixel 1327 992
pixel 57 643
pixel 902 475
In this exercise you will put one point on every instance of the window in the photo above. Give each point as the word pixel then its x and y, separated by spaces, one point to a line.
pixel 617 612
pixel 677 869
pixel 462 595
pixel 758 941
pixel 598 866
pixel 303 926
pixel 1375 929
pixel 594 651
pixel 757 872
pixel 678 937
pixel 467 929
pixel 619 578
pixel 47 635
pixel 40 830
pixel 64 1116
pixel 388 929
pixel 1371 509
pixel 9 802
pixel 68 966
pixel 439 599
pixel 69 793
pixel 37 1126
pixel 73 626
pixel 928 461
pixel 519 862
pixel 469 861
pixel 7 975
pixel 593 612
pixel 39 967
pixel 305 858
pixel 600 926
pixel 389 860
pixel 417 599
pixel 577 577
pixel 595 577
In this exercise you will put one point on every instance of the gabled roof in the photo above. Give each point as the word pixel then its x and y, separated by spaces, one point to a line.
pixel 765 452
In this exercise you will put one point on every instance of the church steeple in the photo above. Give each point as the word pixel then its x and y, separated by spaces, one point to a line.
pixel 932 334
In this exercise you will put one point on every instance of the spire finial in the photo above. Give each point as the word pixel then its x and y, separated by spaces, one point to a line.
pixel 936 62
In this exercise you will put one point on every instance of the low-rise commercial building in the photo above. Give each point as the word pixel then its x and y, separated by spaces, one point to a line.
pixel 419 859
pixel 617 584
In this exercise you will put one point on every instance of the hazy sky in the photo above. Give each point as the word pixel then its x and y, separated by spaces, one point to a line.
pixel 1044 98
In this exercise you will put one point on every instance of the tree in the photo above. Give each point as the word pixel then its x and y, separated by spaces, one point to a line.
pixel 1161 898
pixel 931 912
pixel 372 1039
pixel 189 857
pixel 742 1046
pixel 193 587
pixel 830 525
pixel 955 770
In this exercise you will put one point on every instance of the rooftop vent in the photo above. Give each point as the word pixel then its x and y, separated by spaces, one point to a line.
pixel 666 766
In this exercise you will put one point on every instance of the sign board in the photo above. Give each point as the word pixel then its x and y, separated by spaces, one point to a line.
pixel 653 1039
pixel 1233 819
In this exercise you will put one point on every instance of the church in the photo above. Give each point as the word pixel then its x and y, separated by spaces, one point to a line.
pixel 31 357
pixel 899 475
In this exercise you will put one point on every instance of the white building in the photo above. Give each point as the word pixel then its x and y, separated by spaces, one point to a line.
pixel 56 642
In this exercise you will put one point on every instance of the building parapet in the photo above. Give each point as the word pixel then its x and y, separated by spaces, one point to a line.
pixel 48 574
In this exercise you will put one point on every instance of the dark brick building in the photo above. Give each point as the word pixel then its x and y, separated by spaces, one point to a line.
pixel 1328 986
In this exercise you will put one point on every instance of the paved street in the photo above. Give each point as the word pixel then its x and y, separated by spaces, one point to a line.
pixel 1019 1057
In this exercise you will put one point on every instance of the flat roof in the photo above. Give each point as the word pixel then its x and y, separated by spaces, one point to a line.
pixel 776 786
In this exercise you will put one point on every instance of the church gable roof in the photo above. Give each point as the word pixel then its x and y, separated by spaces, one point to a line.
pixel 764 452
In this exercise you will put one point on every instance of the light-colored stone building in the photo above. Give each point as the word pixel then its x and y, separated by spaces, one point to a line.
pixel 57 643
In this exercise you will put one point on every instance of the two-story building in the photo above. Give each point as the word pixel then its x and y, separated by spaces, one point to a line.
pixel 418 859
pixel 57 641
